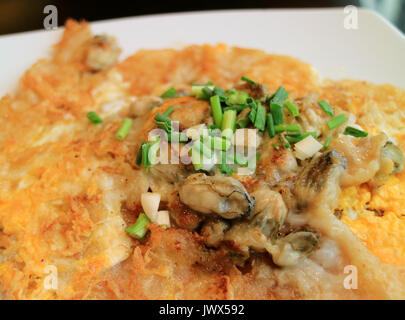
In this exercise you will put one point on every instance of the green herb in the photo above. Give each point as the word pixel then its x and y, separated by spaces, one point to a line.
pixel 124 129
pixel 355 132
pixel 223 166
pixel 163 122
pixel 206 151
pixel 294 138
pixel 277 113
pixel 216 110
pixel 177 137
pixel 140 228
pixel 139 155
pixel 327 142
pixel 196 158
pixel 229 122
pixel 217 143
pixel 275 146
pixel 242 123
pixel 287 128
pixel 260 119
pixel 270 125
pixel 171 93
pixel 237 97
pixel 279 97
pixel 337 121
pixel 326 107
pixel 168 111
pixel 292 108
pixel 248 80
pixel 94 117
pixel 202 91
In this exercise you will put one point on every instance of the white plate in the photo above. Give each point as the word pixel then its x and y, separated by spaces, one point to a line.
pixel 374 52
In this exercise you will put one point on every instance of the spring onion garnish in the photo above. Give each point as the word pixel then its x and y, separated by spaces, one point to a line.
pixel 198 91
pixel 94 117
pixel 223 166
pixel 260 120
pixel 270 125
pixel 217 143
pixel 139 155
pixel 248 80
pixel 337 121
pixel 163 122
pixel 196 158
pixel 326 107
pixel 171 93
pixel 124 129
pixel 140 228
pixel 145 155
pixel 350 131
pixel 206 151
pixel 168 111
pixel 284 141
pixel 277 113
pixel 275 146
pixel 294 138
pixel 287 128
pixel 216 110
pixel 229 122
pixel 177 137
pixel 279 97
pixel 240 160
pixel 237 97
pixel 242 123
pixel 292 108
pixel 327 142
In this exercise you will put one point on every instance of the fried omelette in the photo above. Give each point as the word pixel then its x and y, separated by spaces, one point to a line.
pixel 74 184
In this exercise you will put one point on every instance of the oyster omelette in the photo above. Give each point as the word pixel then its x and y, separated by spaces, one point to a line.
pixel 316 213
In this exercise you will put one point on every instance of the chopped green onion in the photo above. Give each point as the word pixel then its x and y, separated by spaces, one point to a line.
pixel 277 113
pixel 217 143
pixel 270 125
pixel 337 121
pixel 237 97
pixel 177 137
pixel 139 155
pixel 355 132
pixel 168 111
pixel 198 91
pixel 327 142
pixel 229 121
pixel 196 159
pixel 124 129
pixel 223 166
pixel 216 110
pixel 163 122
pixel 248 80
pixel 94 117
pixel 253 113
pixel 145 155
pixel 297 138
pixel 140 228
pixel 279 97
pixel 171 93
pixel 237 107
pixel 203 149
pixel 284 141
pixel 240 160
pixel 275 146
pixel 292 108
pixel 242 123
pixel 326 107
pixel 287 128
pixel 260 120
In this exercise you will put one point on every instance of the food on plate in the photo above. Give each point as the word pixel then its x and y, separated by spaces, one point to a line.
pixel 208 172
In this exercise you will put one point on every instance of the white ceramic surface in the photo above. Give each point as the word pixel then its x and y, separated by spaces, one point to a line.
pixel 374 52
